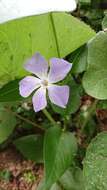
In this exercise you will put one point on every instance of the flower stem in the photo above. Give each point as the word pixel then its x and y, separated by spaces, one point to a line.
pixel 25 119
pixel 50 118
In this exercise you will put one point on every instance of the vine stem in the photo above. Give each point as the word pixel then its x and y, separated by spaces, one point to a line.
pixel 90 113
pixel 25 119
pixel 50 118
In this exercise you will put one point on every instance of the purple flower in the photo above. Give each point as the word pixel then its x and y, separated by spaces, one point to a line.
pixel 45 80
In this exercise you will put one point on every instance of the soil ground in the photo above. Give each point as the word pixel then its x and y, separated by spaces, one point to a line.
pixel 23 174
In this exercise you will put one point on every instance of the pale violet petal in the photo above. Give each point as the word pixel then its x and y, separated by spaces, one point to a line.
pixel 59 95
pixel 37 65
pixel 12 9
pixel 39 99
pixel 28 85
pixel 59 69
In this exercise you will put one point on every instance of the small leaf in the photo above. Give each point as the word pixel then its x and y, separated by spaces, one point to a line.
pixel 104 22
pixel 55 186
pixel 7 124
pixel 79 60
pixel 72 179
pixel 59 151
pixel 85 2
pixel 95 164
pixel 31 147
pixel 10 92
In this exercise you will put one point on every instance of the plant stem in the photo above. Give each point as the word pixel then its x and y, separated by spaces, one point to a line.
pixel 50 118
pixel 90 113
pixel 25 119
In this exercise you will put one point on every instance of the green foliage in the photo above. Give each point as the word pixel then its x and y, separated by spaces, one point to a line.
pixel 7 124
pixel 59 151
pixel 104 22
pixel 50 34
pixel 95 164
pixel 72 179
pixel 79 60
pixel 10 92
pixel 56 187
pixel 31 147
pixel 102 104
pixel 95 78
pixel 29 177
pixel 85 2
pixel 5 175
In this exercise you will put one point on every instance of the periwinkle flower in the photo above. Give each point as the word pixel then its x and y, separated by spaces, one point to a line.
pixel 46 75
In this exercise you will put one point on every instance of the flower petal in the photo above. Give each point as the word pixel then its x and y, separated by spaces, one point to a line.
pixel 59 95
pixel 59 68
pixel 37 65
pixel 28 85
pixel 39 99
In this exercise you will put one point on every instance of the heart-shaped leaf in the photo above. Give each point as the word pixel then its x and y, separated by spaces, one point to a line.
pixel 52 34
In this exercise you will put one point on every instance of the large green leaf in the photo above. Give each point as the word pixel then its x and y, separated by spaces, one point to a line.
pixel 52 34
pixel 95 78
pixel 95 164
pixel 59 151
pixel 7 124
pixel 31 147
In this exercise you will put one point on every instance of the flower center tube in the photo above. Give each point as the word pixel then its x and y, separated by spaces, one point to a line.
pixel 44 83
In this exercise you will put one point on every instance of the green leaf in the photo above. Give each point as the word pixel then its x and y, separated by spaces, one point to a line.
pixel 85 1
pixel 31 147
pixel 95 78
pixel 7 124
pixel 95 164
pixel 102 104
pixel 79 60
pixel 59 151
pixel 55 186
pixel 10 92
pixel 72 179
pixel 104 22
pixel 5 175
pixel 50 34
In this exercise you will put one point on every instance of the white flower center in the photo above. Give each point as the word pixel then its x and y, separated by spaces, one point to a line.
pixel 44 83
